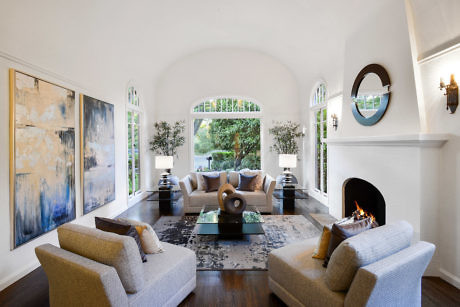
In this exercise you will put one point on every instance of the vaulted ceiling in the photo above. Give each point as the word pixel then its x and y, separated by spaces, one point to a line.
pixel 141 38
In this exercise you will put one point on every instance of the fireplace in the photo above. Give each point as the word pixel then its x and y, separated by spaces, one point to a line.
pixel 366 195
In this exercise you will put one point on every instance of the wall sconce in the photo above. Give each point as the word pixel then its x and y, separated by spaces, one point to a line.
pixel 335 121
pixel 451 93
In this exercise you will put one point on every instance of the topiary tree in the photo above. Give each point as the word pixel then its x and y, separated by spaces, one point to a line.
pixel 167 138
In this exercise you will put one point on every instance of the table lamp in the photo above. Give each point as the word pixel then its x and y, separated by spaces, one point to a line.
pixel 166 163
pixel 287 162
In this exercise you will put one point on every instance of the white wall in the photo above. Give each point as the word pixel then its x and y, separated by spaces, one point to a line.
pixel 382 39
pixel 222 72
pixel 43 48
pixel 441 121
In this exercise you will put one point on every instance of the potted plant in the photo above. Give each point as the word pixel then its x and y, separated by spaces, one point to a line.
pixel 165 142
pixel 286 136
pixel 167 138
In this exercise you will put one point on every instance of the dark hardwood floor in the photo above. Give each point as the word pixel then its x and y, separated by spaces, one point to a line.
pixel 216 288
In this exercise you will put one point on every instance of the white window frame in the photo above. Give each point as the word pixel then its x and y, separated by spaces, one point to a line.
pixel 315 106
pixel 224 115
pixel 133 198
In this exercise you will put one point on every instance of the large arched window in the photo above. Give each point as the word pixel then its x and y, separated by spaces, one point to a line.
pixel 226 134
pixel 133 117
pixel 318 105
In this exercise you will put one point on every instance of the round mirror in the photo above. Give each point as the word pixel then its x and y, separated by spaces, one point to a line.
pixel 370 94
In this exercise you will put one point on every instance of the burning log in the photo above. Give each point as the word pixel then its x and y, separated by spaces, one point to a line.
pixel 360 214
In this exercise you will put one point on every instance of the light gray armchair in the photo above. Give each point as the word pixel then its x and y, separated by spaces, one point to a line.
pixel 98 268
pixel 378 267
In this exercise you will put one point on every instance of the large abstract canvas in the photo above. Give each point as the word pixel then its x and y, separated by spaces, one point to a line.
pixel 42 156
pixel 98 153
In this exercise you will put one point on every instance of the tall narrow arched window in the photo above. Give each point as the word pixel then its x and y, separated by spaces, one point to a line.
pixel 226 134
pixel 133 126
pixel 318 105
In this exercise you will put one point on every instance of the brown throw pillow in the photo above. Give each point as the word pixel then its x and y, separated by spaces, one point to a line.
pixel 247 183
pixel 341 232
pixel 120 228
pixel 212 183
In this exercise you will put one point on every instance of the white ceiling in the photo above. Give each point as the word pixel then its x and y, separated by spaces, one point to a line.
pixel 141 38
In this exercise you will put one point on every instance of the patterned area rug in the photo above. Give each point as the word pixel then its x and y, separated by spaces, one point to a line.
pixel 249 253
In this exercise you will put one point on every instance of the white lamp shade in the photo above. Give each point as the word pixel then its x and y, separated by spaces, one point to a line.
pixel 164 162
pixel 287 161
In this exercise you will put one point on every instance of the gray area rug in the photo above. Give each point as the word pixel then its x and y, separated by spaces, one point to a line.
pixel 249 253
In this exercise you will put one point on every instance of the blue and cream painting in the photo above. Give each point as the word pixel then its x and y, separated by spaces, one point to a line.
pixel 44 157
pixel 98 153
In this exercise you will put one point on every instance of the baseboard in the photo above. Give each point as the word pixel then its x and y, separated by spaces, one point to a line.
pixel 12 278
pixel 450 278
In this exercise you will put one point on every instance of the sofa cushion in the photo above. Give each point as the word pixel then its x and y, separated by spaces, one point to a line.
pixel 164 275
pixel 247 183
pixel 120 252
pixel 363 249
pixel 293 268
pixel 233 178
pixel 256 198
pixel 121 228
pixel 193 180
pixel 149 239
pixel 211 183
pixel 201 198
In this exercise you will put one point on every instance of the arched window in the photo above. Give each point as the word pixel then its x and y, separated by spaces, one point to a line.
pixel 134 124
pixel 319 130
pixel 226 134
pixel 226 105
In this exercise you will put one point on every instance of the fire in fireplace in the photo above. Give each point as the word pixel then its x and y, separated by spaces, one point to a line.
pixel 362 199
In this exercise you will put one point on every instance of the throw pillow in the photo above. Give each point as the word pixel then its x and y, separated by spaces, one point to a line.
pixel 259 183
pixel 120 228
pixel 364 249
pixel 247 183
pixel 323 243
pixel 211 183
pixel 340 232
pixel 149 239
pixel 200 184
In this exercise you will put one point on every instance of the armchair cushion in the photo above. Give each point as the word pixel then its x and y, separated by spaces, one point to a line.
pixel 363 249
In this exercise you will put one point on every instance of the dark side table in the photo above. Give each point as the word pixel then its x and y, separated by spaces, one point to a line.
pixel 165 195
pixel 288 193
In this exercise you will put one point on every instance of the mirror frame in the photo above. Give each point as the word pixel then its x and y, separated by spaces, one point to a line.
pixel 385 79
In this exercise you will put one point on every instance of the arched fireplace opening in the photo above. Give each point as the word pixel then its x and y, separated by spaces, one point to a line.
pixel 366 195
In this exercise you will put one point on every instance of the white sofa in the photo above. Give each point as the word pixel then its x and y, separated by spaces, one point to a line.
pixel 194 198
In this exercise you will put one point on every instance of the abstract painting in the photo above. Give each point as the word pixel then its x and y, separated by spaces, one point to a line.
pixel 42 156
pixel 98 152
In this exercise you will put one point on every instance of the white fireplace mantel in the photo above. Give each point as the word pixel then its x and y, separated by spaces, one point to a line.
pixel 412 140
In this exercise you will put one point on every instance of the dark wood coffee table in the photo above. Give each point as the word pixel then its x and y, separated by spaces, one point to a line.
pixel 212 222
